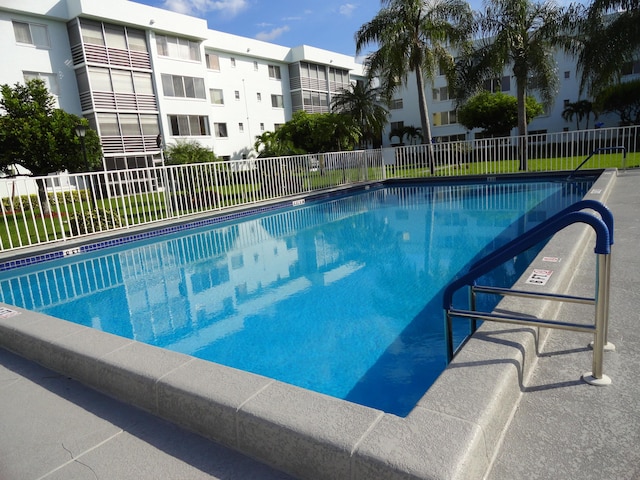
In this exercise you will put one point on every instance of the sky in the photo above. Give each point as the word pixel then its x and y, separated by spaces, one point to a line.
pixel 326 24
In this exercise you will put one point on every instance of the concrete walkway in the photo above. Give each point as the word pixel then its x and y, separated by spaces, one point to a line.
pixel 55 428
pixel 564 428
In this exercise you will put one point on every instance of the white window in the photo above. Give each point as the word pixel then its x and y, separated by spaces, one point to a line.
pixel 137 40
pixel 233 62
pixel 498 84
pixel 188 125
pixel 445 118
pixel 100 79
pixel 396 104
pixel 220 130
pixel 237 94
pixel 440 94
pixel 115 37
pixel 255 65
pixel 217 97
pixel 259 96
pixel 396 126
pixel 92 32
pixel 149 125
pixel 142 83
pixel 274 72
pixel 261 127
pixel 241 127
pixel 122 81
pixel 213 61
pixel 179 48
pixel 188 87
pixel 50 80
pixel 129 124
pixel 108 123
pixel 31 34
pixel 276 101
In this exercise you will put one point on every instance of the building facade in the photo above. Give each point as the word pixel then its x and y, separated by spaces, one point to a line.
pixel 146 78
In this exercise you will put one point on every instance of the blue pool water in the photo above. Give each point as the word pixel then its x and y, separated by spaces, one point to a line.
pixel 340 296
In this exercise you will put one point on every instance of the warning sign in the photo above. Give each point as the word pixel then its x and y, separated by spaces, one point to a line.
pixel 7 312
pixel 539 277
pixel 550 259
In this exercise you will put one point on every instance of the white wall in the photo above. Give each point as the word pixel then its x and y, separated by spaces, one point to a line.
pixel 56 60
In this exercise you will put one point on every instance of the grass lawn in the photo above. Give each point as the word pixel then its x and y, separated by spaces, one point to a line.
pixel 33 228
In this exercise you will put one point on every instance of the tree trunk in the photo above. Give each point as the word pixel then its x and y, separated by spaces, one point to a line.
pixel 45 207
pixel 424 120
pixel 522 124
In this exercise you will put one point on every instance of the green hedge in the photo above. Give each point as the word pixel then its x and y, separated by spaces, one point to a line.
pixel 94 221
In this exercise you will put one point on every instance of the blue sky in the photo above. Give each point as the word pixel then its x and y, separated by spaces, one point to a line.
pixel 327 24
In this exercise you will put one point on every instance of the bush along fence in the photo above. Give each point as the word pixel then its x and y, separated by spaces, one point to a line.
pixel 59 207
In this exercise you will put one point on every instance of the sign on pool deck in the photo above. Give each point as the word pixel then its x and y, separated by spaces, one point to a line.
pixel 539 277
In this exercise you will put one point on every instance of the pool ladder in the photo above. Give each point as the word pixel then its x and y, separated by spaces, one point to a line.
pixel 603 228
pixel 600 150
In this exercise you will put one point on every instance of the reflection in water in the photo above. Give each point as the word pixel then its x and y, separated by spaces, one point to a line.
pixel 339 296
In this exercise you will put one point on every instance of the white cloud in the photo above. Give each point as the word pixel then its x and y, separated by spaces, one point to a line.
pixel 272 34
pixel 347 9
pixel 180 6
pixel 190 7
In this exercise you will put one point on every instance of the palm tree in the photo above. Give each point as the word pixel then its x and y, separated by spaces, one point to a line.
pixel 414 36
pixel 611 35
pixel 361 102
pixel 521 35
pixel 570 111
pixel 412 133
pixel 579 110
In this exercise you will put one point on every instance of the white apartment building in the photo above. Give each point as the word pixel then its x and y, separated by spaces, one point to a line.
pixel 442 108
pixel 146 77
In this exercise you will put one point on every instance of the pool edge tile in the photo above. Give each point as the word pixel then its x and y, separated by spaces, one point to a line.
pixel 402 448
pixel 205 397
pixel 306 434
pixel 132 373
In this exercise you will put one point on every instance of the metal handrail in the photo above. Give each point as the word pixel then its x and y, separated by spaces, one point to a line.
pixel 603 228
pixel 598 150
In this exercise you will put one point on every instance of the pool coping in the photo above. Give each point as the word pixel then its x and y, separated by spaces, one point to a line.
pixel 452 433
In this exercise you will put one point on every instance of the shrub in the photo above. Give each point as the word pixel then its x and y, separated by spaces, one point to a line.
pixel 21 203
pixel 94 221
pixel 67 197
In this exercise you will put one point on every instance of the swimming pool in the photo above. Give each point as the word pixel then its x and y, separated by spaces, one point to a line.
pixel 302 293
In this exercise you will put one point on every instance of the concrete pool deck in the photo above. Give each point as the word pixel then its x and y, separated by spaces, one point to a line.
pixel 497 409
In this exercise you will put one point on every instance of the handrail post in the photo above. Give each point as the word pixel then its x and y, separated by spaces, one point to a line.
pixel 473 323
pixel 608 346
pixel 448 335
pixel 596 377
